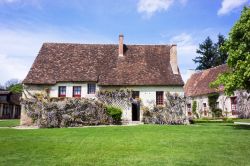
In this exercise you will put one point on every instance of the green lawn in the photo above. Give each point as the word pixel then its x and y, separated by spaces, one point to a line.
pixel 242 120
pixel 200 144
pixel 9 123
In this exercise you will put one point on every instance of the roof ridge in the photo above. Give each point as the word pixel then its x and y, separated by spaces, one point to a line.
pixel 50 43
pixel 211 68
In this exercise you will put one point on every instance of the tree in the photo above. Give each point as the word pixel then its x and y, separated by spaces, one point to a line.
pixel 14 85
pixel 18 88
pixel 208 52
pixel 221 54
pixel 211 53
pixel 238 48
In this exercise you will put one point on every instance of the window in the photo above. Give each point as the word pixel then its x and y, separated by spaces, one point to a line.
pixel 135 94
pixel 62 91
pixel 205 109
pixel 159 98
pixel 189 109
pixel 91 88
pixel 76 91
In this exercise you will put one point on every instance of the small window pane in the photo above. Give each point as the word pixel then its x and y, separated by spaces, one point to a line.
pixel 62 91
pixel 91 88
pixel 77 91
pixel 159 98
pixel 135 94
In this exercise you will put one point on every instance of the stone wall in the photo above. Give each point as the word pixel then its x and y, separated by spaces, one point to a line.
pixel 147 95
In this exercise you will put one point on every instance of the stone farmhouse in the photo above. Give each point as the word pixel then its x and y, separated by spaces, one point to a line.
pixel 80 70
pixel 197 89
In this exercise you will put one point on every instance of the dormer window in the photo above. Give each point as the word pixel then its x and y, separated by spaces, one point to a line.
pixel 62 91
pixel 76 91
pixel 91 88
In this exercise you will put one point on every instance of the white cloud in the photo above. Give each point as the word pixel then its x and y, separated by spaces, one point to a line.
pixel 183 2
pixel 228 5
pixel 12 67
pixel 186 74
pixel 186 51
pixel 18 47
pixel 186 47
pixel 149 7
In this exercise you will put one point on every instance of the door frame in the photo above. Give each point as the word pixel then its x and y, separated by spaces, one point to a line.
pixel 135 106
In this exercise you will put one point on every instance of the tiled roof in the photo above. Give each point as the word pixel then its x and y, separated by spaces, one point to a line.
pixel 140 65
pixel 198 83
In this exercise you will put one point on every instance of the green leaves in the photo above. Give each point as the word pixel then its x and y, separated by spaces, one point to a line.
pixel 211 53
pixel 238 48
pixel 18 88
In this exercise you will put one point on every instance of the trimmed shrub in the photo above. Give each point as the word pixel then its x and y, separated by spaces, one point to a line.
pixel 115 113
pixel 228 120
pixel 194 107
pixel 217 112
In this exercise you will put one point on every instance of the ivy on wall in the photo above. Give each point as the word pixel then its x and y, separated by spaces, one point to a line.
pixel 194 107
pixel 212 100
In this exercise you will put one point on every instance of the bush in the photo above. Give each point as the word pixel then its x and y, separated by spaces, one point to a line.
pixel 191 120
pixel 115 113
pixel 217 112
pixel 228 120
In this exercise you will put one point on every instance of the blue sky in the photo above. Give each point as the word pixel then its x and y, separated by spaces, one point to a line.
pixel 26 24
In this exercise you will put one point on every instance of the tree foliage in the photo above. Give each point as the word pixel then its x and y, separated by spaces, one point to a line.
pixel 211 54
pixel 212 101
pixel 18 88
pixel 238 48
pixel 14 85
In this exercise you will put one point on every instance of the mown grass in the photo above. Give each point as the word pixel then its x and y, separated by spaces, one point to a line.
pixel 202 144
pixel 9 123
pixel 221 120
pixel 242 120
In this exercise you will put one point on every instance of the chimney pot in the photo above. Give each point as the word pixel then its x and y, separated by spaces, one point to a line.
pixel 121 45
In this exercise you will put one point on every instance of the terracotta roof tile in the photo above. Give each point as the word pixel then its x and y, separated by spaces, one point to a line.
pixel 140 65
pixel 198 83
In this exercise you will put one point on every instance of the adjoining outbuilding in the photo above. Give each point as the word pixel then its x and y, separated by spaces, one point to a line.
pixel 10 107
pixel 198 91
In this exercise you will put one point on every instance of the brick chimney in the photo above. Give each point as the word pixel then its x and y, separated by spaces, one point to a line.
pixel 173 59
pixel 121 45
